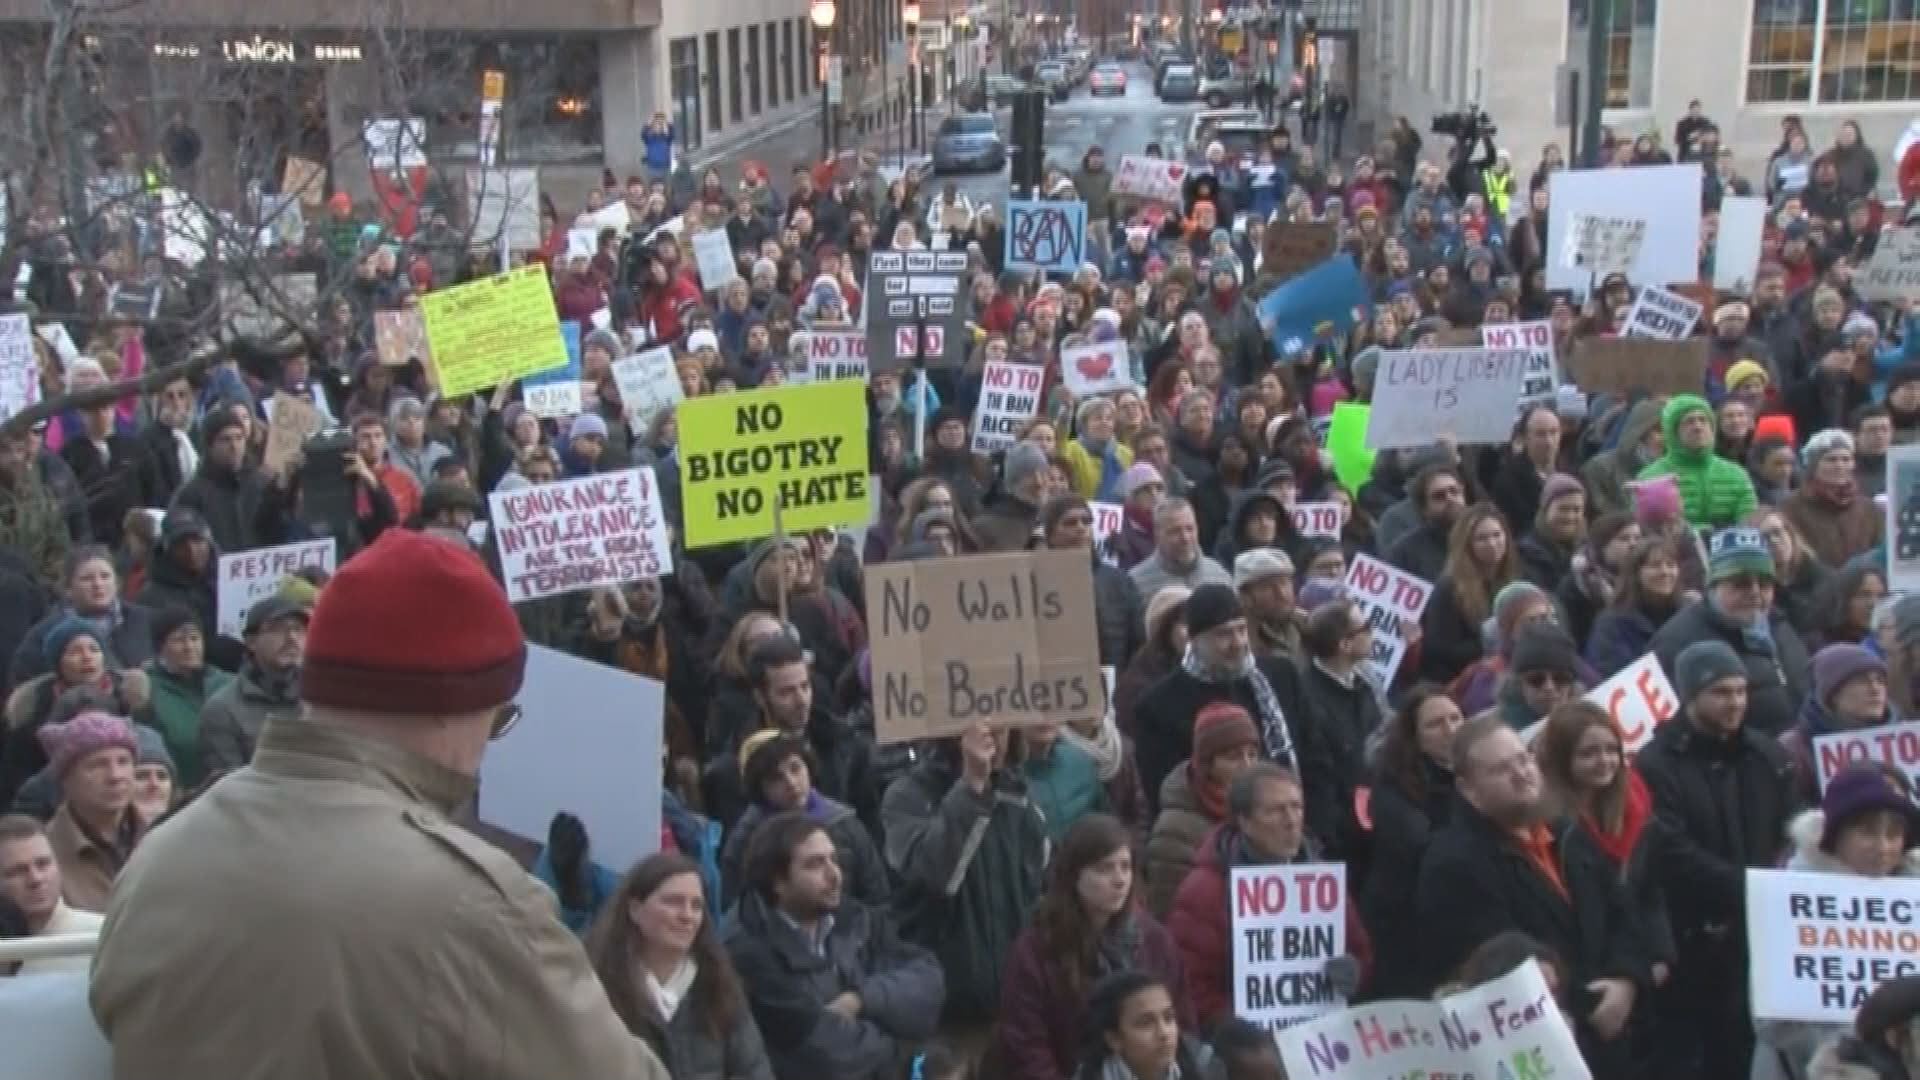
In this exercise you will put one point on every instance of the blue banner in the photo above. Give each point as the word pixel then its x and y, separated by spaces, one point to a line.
pixel 569 333
pixel 1316 308
pixel 1046 235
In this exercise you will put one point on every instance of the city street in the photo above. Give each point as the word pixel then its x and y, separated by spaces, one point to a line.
pixel 1118 125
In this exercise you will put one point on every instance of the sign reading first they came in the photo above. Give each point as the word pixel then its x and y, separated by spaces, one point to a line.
pixel 485 332
pixel 801 447
pixel 1002 639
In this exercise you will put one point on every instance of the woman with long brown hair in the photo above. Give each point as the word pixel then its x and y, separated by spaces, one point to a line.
pixel 1480 562
pixel 1085 928
pixel 1411 797
pixel 1649 590
pixel 668 977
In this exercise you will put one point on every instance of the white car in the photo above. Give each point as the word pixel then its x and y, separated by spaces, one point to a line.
pixel 1107 79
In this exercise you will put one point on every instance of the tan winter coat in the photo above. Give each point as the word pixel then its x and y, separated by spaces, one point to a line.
pixel 1175 839
pixel 317 915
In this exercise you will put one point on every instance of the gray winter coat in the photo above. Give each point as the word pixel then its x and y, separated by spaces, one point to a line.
pixel 692 1052
pixel 231 720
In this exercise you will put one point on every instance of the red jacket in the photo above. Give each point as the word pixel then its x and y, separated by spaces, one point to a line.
pixel 1201 921
pixel 1041 1022
pixel 1910 174
pixel 665 305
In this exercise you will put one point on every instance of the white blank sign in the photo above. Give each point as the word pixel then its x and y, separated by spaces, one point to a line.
pixel 1666 197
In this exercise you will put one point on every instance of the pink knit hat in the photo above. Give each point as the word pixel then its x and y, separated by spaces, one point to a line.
pixel 69 743
pixel 1656 501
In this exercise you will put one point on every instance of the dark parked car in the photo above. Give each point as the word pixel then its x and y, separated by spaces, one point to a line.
pixel 1054 75
pixel 968 141
pixel 1180 82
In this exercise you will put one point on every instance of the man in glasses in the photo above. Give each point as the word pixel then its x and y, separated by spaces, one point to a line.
pixel 1439 494
pixel 331 917
pixel 1739 612
pixel 1542 675
pixel 1066 521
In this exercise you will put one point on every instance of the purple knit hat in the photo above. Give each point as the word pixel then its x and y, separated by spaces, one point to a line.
pixel 67 744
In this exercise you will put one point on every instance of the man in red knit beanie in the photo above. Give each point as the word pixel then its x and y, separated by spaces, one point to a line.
pixel 318 913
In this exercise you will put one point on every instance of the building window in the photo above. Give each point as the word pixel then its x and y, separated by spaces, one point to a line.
pixel 771 34
pixel 1861 50
pixel 1629 48
pixel 753 70
pixel 684 58
pixel 713 80
pixel 733 75
pixel 800 56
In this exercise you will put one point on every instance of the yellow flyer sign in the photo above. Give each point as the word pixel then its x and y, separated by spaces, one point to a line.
pixel 804 447
pixel 485 332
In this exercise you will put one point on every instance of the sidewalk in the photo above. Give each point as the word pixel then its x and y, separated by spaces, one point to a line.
pixel 797 141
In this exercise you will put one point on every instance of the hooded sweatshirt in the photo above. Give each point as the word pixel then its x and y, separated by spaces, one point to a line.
pixel 1714 492
pixel 1609 473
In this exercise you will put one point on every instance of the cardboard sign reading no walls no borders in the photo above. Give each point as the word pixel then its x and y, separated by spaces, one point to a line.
pixel 1006 639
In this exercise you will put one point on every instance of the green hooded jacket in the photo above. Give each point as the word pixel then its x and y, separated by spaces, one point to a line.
pixel 1714 492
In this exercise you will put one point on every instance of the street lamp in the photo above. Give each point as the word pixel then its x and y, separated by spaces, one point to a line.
pixel 822 14
pixel 910 18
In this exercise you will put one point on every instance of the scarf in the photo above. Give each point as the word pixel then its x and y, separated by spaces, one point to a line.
pixel 1103 746
pixel 1275 740
pixel 1633 818
pixel 1115 1069
pixel 667 996
pixel 1210 794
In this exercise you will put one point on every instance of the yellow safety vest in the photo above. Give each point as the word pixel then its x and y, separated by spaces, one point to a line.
pixel 1499 191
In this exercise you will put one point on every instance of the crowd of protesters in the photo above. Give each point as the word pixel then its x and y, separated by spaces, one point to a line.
pixel 1039 903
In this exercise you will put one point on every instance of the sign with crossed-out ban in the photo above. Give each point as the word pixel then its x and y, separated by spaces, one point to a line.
pixel 1049 236
pixel 912 291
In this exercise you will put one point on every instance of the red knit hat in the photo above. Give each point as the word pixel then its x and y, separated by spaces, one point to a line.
pixel 1220 727
pixel 415 625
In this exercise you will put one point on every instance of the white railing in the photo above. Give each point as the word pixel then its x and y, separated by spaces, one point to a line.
pixel 48 947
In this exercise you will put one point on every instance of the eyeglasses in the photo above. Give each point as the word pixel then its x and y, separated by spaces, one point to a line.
pixel 504 718
pixel 1541 680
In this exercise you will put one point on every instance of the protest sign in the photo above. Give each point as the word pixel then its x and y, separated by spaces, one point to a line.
pixel 836 354
pixel 1288 921
pixel 1095 367
pixel 581 244
pixel 584 533
pixel 915 309
pixel 1002 639
pixel 803 448
pixel 1897 745
pixel 1319 518
pixel 138 302
pixel 1893 274
pixel 1392 600
pixel 504 205
pixel 19 365
pixel 614 215
pixel 1903 519
pixel 400 336
pixel 1542 375
pixel 1639 698
pixel 1736 252
pixel 309 178
pixel 1465 393
pixel 1048 236
pixel 1315 308
pixel 1290 248
pixel 56 336
pixel 648 382
pixel 248 577
pixel 291 421
pixel 394 143
pixel 1508 1029
pixel 1009 400
pixel 1665 197
pixel 485 332
pixel 590 746
pixel 1623 365
pixel 1152 178
pixel 1818 943
pixel 1107 519
pixel 556 393
pixel 1604 244
pixel 1346 443
pixel 713 256
pixel 1661 315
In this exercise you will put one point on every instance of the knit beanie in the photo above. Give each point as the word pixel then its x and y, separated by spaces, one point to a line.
pixel 68 743
pixel 168 619
pixel 1212 605
pixel 1170 602
pixel 217 422
pixel 1859 323
pixel 1837 665
pixel 1559 486
pixel 1137 476
pixel 587 425
pixel 1862 788
pixel 413 625
pixel 1024 462
pixel 151 749
pixel 1510 601
pixel 1366 364
pixel 62 634
pixel 1221 727
pixel 1702 664
pixel 1544 647
pixel 1318 591
pixel 1737 551
pixel 605 341
pixel 1657 501
pixel 1822 443
pixel 1741 371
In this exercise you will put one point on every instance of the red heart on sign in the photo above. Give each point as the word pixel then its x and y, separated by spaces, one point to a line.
pixel 1095 365
pixel 1175 171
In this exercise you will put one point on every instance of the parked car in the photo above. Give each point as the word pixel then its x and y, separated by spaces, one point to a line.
pixel 1193 139
pixel 1220 91
pixel 1107 79
pixel 1052 74
pixel 1166 61
pixel 1181 82
pixel 969 141
pixel 1002 89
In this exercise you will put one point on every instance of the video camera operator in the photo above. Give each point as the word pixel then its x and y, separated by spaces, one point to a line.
pixel 1470 128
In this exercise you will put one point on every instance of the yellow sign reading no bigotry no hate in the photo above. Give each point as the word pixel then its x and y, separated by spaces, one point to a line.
pixel 803 447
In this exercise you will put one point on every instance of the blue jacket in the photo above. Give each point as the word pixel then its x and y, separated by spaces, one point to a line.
pixel 659 146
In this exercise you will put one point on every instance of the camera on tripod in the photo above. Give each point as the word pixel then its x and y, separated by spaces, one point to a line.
pixel 1467 125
